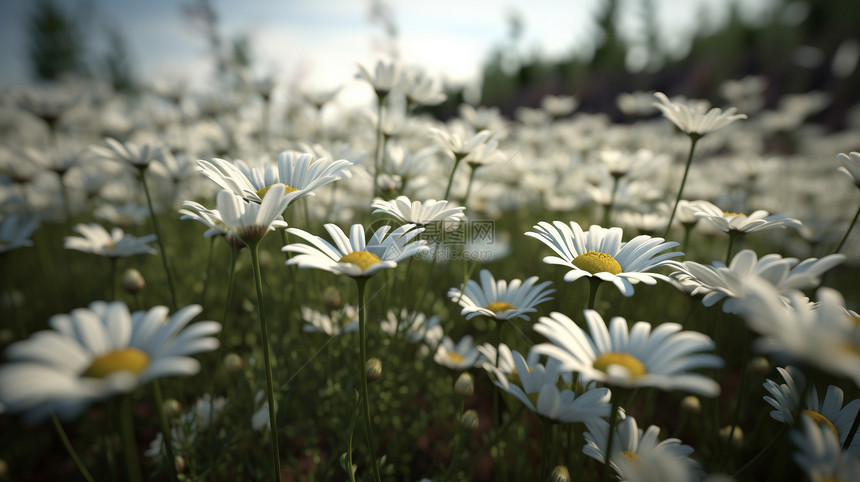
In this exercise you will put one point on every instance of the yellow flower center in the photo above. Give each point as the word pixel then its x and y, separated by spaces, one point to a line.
pixel 628 361
pixel 732 215
pixel 287 190
pixel 126 360
pixel 362 259
pixel 631 456
pixel 455 357
pixel 498 306
pixel 597 262
pixel 111 245
pixel 821 420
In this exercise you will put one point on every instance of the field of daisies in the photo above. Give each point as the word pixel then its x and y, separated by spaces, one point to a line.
pixel 220 287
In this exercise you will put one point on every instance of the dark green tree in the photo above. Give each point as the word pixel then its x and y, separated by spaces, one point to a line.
pixel 56 42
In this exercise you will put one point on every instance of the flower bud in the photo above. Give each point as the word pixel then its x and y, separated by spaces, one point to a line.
pixel 180 463
pixel 172 408
pixel 691 404
pixel 465 385
pixel 331 298
pixel 737 436
pixel 469 420
pixel 233 363
pixel 759 365
pixel 4 469
pixel 132 281
pixel 560 474
pixel 373 369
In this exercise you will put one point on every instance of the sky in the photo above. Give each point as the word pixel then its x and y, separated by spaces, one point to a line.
pixel 318 45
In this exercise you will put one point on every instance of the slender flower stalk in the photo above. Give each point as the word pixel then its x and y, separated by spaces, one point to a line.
pixel 457 158
pixel 604 474
pixel 166 434
pixel 253 247
pixel 361 284
pixel 607 211
pixel 159 238
pixel 380 143
pixel 694 138
pixel 472 169
pixel 126 426
pixel 850 227
pixel 71 450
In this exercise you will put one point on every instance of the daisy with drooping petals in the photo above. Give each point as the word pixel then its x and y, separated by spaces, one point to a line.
pixel 632 444
pixel 823 334
pixel 600 253
pixel 300 174
pixel 728 222
pixel 250 221
pixel 137 156
pixel 662 357
pixel 500 300
pixel 695 119
pixel 354 256
pixel 788 403
pixel 94 353
pixel 785 274
pixel 820 454
pixel 114 244
pixel 535 385
pixel 420 213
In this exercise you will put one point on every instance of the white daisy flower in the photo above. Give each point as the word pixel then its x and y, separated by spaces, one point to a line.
pixel 15 231
pixel 638 357
pixel 824 334
pixel 505 363
pixel 336 323
pixel 138 156
pixel 601 254
pixel 114 244
pixel 300 174
pixel 460 356
pixel 760 220
pixel 785 274
pixel 535 385
pixel 632 444
pixel 353 255
pixel 385 77
pixel 820 454
pixel 94 353
pixel 788 403
pixel 500 299
pixel 850 166
pixel 250 221
pixel 695 119
pixel 419 212
pixel 417 326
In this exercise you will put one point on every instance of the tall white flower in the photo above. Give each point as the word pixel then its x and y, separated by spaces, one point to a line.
pixel 695 119
pixel 250 221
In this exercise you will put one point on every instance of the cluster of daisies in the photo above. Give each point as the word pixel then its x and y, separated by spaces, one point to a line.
pixel 592 371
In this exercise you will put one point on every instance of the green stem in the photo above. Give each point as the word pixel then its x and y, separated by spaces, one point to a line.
pixel 545 444
pixel 208 270
pixel 129 442
pixel 733 235
pixel 253 247
pixel 853 221
pixel 761 452
pixel 607 211
pixel 472 170
pixel 741 390
pixel 688 229
pixel 71 450
pixel 593 286
pixel 225 335
pixel 361 284
pixel 377 161
pixel 114 278
pixel 607 458
pixel 458 449
pixel 693 139
pixel 159 239
pixel 457 159
pixel 166 435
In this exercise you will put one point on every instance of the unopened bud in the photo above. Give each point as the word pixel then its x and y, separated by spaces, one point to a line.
pixel 233 363
pixel 132 281
pixel 691 404
pixel 560 474
pixel 373 369
pixel 759 365
pixel 172 408
pixel 469 420
pixel 465 385
pixel 180 463
pixel 331 298
pixel 737 435
pixel 4 469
